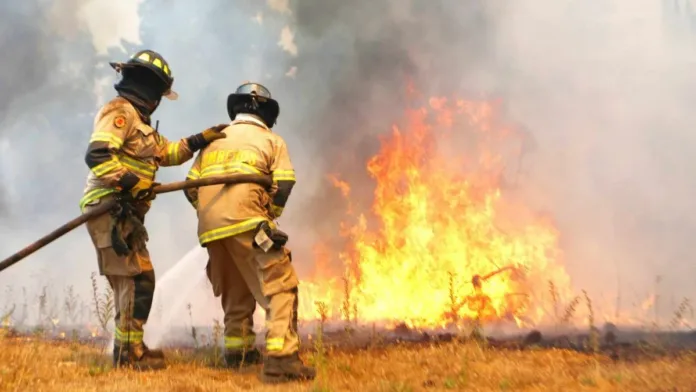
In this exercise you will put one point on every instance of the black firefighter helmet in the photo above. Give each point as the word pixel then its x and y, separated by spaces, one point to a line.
pixel 253 98
pixel 153 61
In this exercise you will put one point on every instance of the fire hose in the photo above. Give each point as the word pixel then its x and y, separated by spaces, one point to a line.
pixel 105 207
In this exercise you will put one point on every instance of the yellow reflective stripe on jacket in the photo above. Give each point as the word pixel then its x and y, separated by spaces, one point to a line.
pixel 128 336
pixel 106 167
pixel 228 168
pixel 95 194
pixel 106 137
pixel 173 153
pixel 142 168
pixel 239 342
pixel 284 175
pixel 193 174
pixel 229 231
pixel 275 344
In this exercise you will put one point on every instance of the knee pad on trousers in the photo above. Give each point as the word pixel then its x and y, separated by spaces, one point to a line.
pixel 144 294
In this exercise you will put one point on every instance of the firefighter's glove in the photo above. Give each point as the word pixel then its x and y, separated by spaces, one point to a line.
pixel 279 239
pixel 118 218
pixel 268 238
pixel 138 236
pixel 200 140
pixel 118 244
pixel 136 188
pixel 124 216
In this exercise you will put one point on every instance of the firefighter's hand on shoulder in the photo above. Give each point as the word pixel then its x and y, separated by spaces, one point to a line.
pixel 137 188
pixel 200 140
pixel 214 133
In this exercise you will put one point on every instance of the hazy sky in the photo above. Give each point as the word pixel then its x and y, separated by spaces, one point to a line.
pixel 605 87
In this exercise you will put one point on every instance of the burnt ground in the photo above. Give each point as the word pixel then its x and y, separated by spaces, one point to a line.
pixel 627 344
pixel 621 344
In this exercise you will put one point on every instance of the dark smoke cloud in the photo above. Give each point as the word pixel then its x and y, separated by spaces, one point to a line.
pixel 362 54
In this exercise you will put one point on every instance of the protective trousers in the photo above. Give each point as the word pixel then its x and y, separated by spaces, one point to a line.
pixel 132 280
pixel 243 275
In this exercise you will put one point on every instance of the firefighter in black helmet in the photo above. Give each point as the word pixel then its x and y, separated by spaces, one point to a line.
pixel 243 268
pixel 123 156
pixel 253 99
pixel 146 79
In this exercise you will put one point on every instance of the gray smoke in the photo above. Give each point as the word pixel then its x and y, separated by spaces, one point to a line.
pixel 604 87
pixel 22 70
pixel 47 80
pixel 27 50
pixel 47 103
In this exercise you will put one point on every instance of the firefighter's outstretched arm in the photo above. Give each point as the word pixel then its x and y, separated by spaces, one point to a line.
pixel 193 174
pixel 283 178
pixel 177 153
pixel 102 155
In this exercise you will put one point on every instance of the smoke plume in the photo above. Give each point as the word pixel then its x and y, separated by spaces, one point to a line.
pixel 22 70
pixel 48 93
pixel 604 88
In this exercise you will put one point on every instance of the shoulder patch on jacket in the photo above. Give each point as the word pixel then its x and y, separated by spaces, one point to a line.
pixel 120 121
pixel 118 113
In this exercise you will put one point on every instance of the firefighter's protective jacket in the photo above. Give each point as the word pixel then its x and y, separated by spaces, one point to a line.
pixel 123 142
pixel 227 210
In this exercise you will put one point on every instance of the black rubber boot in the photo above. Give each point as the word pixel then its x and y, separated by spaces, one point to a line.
pixel 286 369
pixel 137 358
pixel 238 360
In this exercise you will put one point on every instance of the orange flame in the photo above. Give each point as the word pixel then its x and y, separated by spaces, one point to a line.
pixel 441 242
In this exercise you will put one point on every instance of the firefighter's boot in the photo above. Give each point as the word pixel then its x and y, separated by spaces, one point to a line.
pixel 137 358
pixel 285 369
pixel 237 360
pixel 153 353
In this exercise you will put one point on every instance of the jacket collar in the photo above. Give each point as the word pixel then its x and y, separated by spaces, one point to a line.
pixel 249 118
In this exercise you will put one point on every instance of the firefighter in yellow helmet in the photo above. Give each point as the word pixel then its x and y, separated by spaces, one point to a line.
pixel 249 262
pixel 123 155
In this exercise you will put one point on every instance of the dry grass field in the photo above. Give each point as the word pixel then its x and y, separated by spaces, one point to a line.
pixel 35 364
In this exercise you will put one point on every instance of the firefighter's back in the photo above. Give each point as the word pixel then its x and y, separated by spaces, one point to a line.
pixel 225 210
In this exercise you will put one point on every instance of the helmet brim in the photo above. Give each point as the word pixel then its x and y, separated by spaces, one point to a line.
pixel 234 99
pixel 170 94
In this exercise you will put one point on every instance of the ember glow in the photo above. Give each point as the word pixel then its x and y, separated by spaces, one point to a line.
pixel 441 241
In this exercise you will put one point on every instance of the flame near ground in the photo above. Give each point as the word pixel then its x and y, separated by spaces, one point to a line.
pixel 442 242
pixel 447 237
